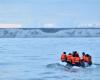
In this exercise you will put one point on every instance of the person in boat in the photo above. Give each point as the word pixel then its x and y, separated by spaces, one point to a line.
pixel 83 56
pixel 82 61
pixel 75 59
pixel 64 57
pixel 86 58
pixel 69 57
pixel 75 53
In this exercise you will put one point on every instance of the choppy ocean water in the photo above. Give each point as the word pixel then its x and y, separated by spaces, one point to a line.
pixel 39 58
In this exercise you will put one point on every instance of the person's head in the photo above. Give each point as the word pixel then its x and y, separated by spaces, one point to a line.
pixel 70 54
pixel 75 51
pixel 83 53
pixel 87 55
pixel 64 52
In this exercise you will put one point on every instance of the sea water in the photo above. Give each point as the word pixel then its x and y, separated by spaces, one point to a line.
pixel 39 58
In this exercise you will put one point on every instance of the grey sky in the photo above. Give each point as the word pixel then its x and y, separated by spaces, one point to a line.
pixel 50 13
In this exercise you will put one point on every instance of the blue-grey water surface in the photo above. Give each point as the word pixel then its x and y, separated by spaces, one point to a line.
pixel 39 58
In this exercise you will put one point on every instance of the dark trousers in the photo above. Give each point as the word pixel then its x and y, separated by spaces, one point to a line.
pixel 64 61
pixel 90 63
pixel 77 64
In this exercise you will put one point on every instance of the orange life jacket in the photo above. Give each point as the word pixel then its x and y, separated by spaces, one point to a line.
pixel 69 57
pixel 73 60
pixel 87 59
pixel 77 59
pixel 63 57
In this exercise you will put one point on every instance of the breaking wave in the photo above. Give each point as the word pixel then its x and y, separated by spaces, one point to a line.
pixel 48 32
pixel 59 66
